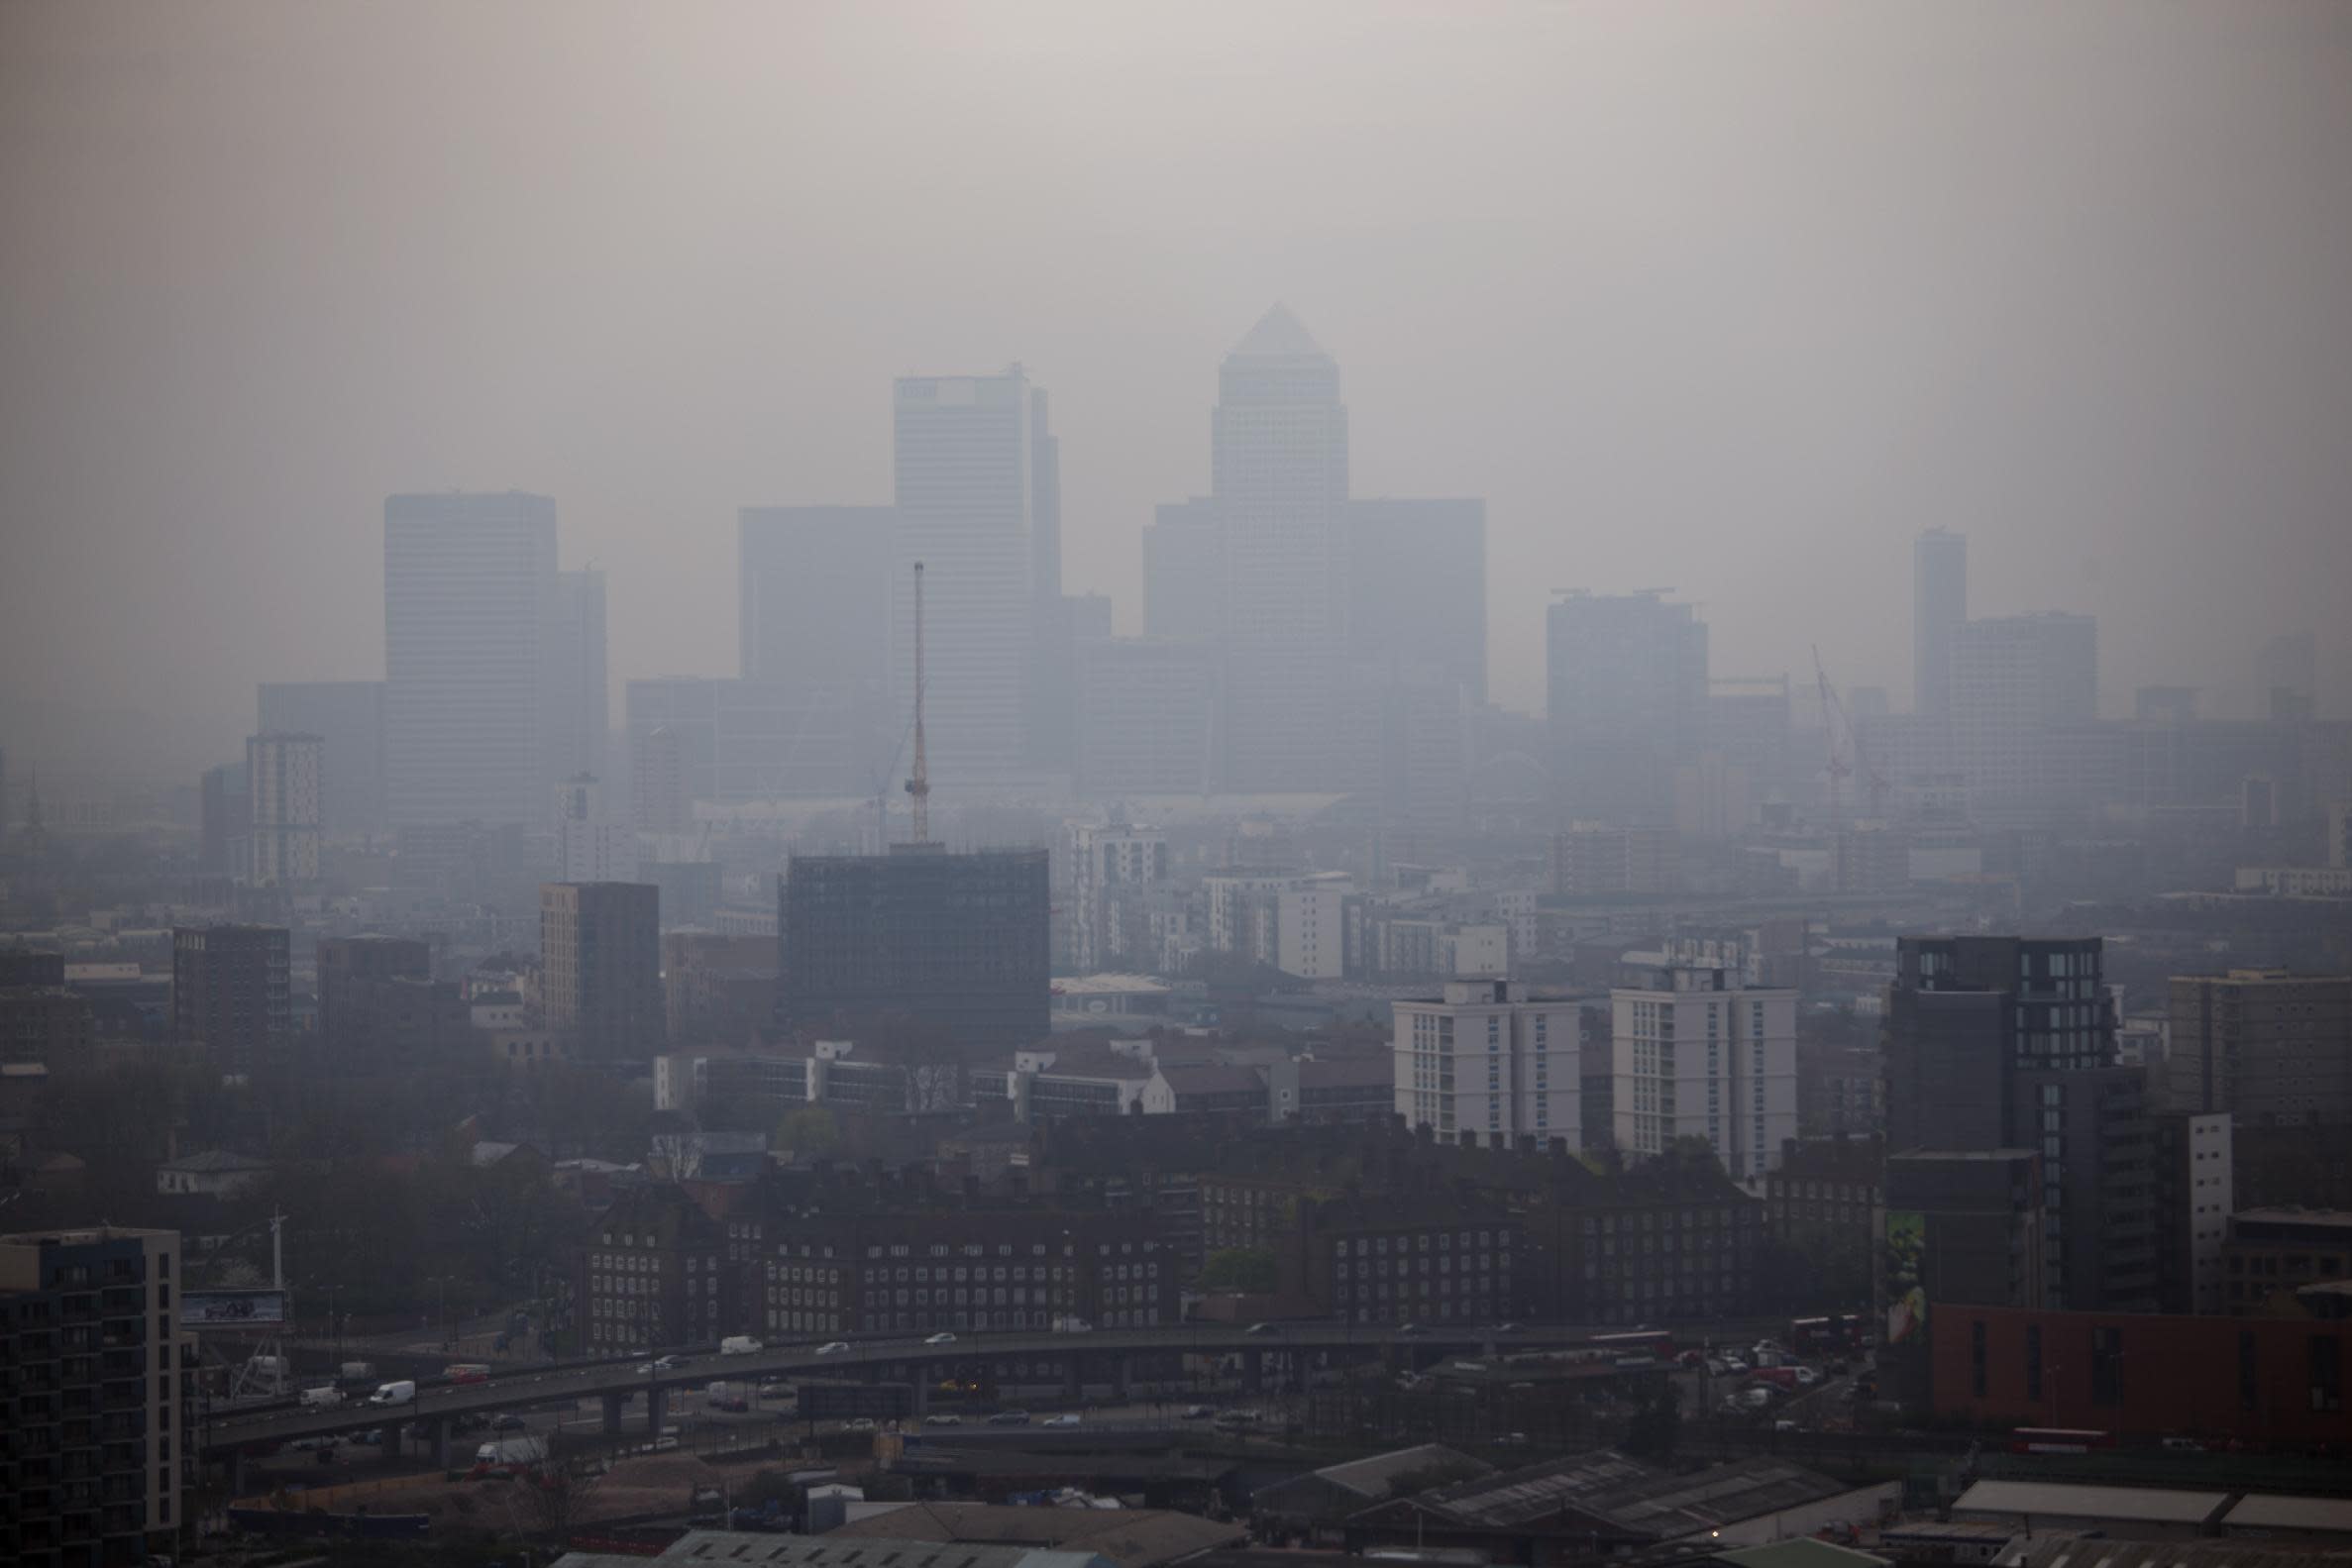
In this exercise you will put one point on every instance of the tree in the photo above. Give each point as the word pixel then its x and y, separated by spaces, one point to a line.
pixel 1253 1271
pixel 810 1130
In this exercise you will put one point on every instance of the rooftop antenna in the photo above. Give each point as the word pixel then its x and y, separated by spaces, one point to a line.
pixel 919 783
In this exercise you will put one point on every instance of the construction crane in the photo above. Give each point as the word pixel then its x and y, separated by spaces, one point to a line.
pixel 919 783
pixel 1845 755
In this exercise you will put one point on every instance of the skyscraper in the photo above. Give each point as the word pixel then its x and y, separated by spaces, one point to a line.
pixel 1625 682
pixel 592 844
pixel 285 774
pixel 1939 608
pixel 348 716
pixel 600 944
pixel 1417 587
pixel 579 714
pixel 1180 571
pixel 976 504
pixel 470 605
pixel 1279 478
pixel 229 995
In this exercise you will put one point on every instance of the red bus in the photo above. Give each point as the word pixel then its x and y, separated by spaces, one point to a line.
pixel 2058 1440
pixel 1655 1343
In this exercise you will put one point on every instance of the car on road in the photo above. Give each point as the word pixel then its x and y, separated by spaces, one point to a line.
pixel 1735 1366
pixel 1198 1413
pixel 943 1419
pixel 862 1423
pixel 1066 1418
pixel 833 1347
pixel 1409 1330
pixel 1259 1329
pixel 943 1337
pixel 1010 1418
pixel 509 1423
pixel 646 1369
pixel 305 1445
pixel 1506 1329
pixel 1784 1427
pixel 373 1437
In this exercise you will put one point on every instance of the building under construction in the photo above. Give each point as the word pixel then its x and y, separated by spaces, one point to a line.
pixel 959 940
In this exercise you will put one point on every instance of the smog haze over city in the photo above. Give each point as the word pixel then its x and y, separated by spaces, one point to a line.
pixel 1465 783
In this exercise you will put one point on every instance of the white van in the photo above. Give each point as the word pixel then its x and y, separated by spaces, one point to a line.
pixel 740 1345
pixel 400 1393
pixel 325 1399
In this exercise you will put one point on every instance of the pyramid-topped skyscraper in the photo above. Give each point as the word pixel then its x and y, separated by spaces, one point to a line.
pixel 1280 481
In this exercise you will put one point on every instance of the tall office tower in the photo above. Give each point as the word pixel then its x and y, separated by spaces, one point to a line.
pixel 470 604
pixel 1403 740
pixel 1106 858
pixel 225 820
pixel 1939 608
pixel 957 941
pixel 1146 717
pixel 348 715
pixel 2263 1045
pixel 1484 1061
pixel 974 509
pixel 229 995
pixel 380 1010
pixel 815 584
pixel 2001 1042
pixel 578 711
pixel 1417 586
pixel 100 1396
pixel 592 844
pixel 2287 673
pixel 600 946
pixel 286 775
pixel 1625 682
pixel 658 798
pixel 1695 1053
pixel 1180 569
pixel 2019 682
pixel 1278 464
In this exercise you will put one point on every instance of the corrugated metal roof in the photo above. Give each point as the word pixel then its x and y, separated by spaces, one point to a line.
pixel 1371 1476
pixel 2063 1500
pixel 2097 1551
pixel 2282 1510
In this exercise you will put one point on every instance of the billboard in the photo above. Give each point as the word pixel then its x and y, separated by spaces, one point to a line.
pixel 1906 1258
pixel 232 1309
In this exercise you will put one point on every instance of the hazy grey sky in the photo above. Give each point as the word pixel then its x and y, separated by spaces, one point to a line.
pixel 1732 298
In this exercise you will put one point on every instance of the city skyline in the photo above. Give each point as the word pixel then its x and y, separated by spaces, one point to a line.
pixel 2132 440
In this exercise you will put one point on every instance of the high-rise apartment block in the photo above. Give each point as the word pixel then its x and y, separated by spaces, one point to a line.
pixel 1697 1053
pixel 978 505
pixel 229 995
pixel 347 718
pixel 1486 1061
pixel 1939 608
pixel 960 941
pixel 95 1395
pixel 600 945
pixel 1278 463
pixel 1106 858
pixel 2265 1046
pixel 1625 682
pixel 591 844
pixel 284 788
pixel 470 618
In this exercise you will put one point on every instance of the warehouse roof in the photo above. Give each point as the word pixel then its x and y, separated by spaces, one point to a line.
pixel 2063 1500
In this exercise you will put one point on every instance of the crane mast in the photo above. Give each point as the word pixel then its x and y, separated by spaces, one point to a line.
pixel 919 783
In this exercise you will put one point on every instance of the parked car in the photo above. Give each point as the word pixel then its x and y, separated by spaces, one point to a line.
pixel 1409 1330
pixel 509 1423
pixel 1259 1329
pixel 943 1419
pixel 862 1423
pixel 943 1337
pixel 1715 1367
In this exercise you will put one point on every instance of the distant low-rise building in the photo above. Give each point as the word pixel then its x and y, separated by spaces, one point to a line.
pixel 211 1172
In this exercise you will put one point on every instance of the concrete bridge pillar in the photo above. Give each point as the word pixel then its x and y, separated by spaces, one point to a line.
pixel 653 1413
pixel 1122 1378
pixel 439 1438
pixel 919 1402
pixel 612 1409
pixel 1254 1371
